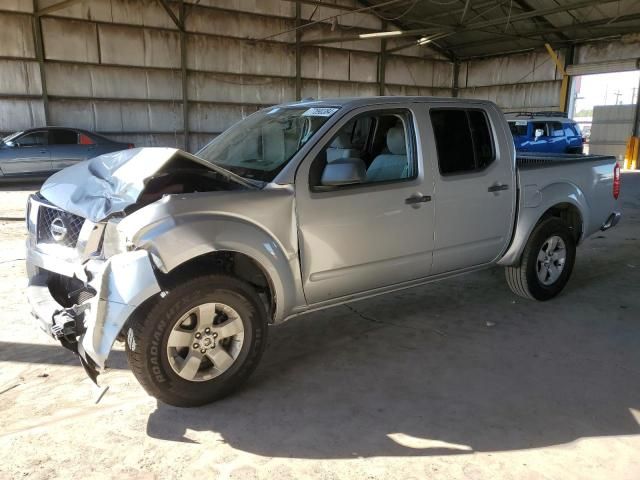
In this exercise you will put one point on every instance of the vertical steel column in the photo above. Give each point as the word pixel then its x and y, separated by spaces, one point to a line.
pixel 382 63
pixel 298 51
pixel 183 68
pixel 39 45
pixel 636 116
pixel 456 74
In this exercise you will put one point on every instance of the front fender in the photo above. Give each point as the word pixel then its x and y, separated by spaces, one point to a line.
pixel 122 284
pixel 534 203
pixel 175 240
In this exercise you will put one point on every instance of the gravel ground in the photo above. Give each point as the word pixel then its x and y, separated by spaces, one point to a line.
pixel 459 379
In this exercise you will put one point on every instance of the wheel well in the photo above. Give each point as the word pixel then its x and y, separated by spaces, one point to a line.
pixel 232 263
pixel 570 215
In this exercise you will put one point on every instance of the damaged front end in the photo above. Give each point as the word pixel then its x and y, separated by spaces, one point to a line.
pixel 85 280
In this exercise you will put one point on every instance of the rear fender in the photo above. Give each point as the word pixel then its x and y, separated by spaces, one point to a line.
pixel 534 203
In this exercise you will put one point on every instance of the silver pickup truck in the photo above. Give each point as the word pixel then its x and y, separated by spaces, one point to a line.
pixel 298 207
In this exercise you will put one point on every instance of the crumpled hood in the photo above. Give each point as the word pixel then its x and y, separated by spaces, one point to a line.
pixel 109 183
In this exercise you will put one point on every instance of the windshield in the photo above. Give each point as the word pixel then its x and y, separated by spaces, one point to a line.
pixel 259 146
pixel 8 138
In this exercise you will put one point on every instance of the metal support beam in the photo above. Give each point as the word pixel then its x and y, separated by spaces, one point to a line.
pixel 39 45
pixel 382 65
pixel 298 51
pixel 636 117
pixel 184 75
pixel 178 21
pixel 456 73
pixel 54 7
pixel 564 88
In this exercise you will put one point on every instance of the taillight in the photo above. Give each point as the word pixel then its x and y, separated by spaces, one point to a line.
pixel 130 145
pixel 616 181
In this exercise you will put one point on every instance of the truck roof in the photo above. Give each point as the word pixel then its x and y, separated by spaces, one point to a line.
pixel 364 101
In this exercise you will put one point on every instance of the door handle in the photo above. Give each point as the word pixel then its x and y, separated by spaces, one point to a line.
pixel 415 200
pixel 497 187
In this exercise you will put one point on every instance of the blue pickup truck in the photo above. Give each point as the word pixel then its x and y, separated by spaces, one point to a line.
pixel 546 132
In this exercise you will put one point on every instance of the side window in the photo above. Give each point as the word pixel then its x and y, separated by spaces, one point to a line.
pixel 555 129
pixel 540 126
pixel 32 139
pixel 571 130
pixel 63 137
pixel 518 128
pixel 463 140
pixel 374 147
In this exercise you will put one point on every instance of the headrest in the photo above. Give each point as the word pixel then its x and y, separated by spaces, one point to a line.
pixel 341 141
pixel 396 141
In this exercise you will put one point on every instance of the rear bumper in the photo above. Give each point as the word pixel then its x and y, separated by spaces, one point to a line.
pixel 612 221
pixel 121 284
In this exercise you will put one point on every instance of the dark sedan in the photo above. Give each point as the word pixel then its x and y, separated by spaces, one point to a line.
pixel 38 152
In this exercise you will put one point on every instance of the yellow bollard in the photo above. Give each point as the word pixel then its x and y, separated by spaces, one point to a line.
pixel 627 154
pixel 634 153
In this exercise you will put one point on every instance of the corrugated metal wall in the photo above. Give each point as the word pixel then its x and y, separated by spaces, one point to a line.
pixel 114 66
pixel 528 81
pixel 611 128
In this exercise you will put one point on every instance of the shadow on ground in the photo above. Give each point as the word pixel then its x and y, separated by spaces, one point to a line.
pixel 438 380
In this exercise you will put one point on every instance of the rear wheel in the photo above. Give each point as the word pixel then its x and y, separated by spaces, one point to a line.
pixel 199 342
pixel 547 262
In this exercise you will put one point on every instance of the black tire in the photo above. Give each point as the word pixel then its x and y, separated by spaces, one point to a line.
pixel 147 336
pixel 523 279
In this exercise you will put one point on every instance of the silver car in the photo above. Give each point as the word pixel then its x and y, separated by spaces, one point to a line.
pixel 188 258
pixel 39 152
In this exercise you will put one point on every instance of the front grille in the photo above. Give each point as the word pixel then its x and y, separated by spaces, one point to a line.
pixel 58 227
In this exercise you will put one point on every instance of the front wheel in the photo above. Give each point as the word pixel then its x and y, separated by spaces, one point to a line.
pixel 198 342
pixel 547 262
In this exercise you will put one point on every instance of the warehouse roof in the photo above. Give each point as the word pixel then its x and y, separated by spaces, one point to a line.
pixel 460 29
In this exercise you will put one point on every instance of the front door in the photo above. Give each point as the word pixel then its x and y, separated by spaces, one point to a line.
pixel 377 231
pixel 475 188
pixel 28 155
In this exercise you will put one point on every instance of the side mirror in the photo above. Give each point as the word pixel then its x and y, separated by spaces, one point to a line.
pixel 10 144
pixel 538 133
pixel 347 171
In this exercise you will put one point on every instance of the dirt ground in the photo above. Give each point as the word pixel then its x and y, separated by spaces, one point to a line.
pixel 459 379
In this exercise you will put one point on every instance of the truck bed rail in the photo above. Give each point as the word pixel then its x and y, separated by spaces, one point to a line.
pixel 524 160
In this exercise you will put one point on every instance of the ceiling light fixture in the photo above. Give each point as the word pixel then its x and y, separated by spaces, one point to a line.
pixel 381 34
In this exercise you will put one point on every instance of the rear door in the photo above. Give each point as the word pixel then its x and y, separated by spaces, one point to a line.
pixel 574 137
pixel 557 139
pixel 29 155
pixel 68 147
pixel 475 187
pixel 377 233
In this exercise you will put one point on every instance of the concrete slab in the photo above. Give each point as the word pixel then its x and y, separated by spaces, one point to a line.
pixel 459 379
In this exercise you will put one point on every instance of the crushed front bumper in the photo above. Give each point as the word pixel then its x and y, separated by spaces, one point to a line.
pixel 89 328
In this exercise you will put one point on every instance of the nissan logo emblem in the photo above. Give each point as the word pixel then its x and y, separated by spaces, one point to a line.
pixel 58 229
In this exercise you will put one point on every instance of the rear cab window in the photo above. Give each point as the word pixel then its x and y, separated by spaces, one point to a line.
pixel 464 140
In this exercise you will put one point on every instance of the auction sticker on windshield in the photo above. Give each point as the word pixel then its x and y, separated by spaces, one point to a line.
pixel 320 112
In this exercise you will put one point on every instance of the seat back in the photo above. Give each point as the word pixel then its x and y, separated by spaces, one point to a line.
pixel 392 165
pixel 341 148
